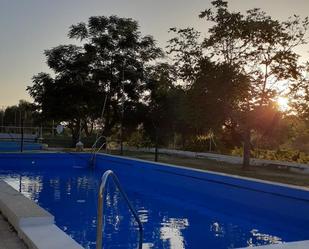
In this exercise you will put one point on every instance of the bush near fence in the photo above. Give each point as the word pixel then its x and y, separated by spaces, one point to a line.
pixel 279 155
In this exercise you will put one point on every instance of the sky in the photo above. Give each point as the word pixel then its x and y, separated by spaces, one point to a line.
pixel 28 27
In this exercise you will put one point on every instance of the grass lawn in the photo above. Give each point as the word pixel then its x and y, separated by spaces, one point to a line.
pixel 264 173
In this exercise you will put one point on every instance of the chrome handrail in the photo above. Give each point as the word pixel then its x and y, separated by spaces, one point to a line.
pixel 97 140
pixel 100 215
pixel 94 150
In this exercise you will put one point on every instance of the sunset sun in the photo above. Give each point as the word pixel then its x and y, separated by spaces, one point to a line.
pixel 283 103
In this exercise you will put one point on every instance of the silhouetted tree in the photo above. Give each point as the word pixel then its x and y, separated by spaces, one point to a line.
pixel 212 89
pixel 12 115
pixel 261 48
pixel 107 68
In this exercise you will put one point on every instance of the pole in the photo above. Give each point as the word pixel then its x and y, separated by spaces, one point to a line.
pixel 19 119
pixel 121 139
pixel 156 146
pixel 80 130
pixel 209 144
pixel 2 118
pixel 53 129
pixel 41 134
pixel 22 135
pixel 122 111
pixel 20 181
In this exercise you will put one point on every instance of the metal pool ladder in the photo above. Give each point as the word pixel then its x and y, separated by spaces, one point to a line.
pixel 110 174
pixel 94 150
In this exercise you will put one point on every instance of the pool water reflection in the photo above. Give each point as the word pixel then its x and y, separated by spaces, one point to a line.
pixel 168 222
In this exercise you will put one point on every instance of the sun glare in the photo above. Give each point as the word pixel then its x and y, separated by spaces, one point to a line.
pixel 283 103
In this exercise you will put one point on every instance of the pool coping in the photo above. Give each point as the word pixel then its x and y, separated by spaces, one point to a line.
pixel 303 244
pixel 34 225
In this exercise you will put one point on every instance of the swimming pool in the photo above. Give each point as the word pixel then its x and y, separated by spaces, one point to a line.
pixel 180 208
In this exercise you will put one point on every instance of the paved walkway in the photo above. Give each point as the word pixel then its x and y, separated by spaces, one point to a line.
pixel 8 236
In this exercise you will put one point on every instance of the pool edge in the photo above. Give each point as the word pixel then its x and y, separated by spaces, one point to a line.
pixel 210 172
pixel 302 244
pixel 34 225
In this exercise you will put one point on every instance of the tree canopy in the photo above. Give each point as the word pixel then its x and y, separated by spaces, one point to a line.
pixel 108 68
pixel 223 84
pixel 258 55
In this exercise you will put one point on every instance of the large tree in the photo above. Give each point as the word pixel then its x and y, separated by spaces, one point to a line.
pixel 159 117
pixel 257 47
pixel 212 89
pixel 261 48
pixel 107 69
pixel 300 93
pixel 15 115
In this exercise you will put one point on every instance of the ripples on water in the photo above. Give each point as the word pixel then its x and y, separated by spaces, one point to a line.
pixel 168 223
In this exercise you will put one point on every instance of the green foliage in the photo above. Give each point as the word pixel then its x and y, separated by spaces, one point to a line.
pixel 198 144
pixel 14 115
pixel 139 139
pixel 279 155
pixel 226 82
pixel 216 92
pixel 108 67
pixel 263 50
pixel 187 53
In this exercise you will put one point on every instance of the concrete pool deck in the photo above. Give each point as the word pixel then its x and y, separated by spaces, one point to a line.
pixel 8 236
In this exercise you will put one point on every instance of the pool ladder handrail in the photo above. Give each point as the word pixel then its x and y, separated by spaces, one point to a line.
pixel 110 174
pixel 94 150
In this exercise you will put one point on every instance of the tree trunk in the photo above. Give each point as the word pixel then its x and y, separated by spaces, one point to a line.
pixel 246 148
pixel 121 138
pixel 74 137
pixel 85 127
pixel 75 133
pixel 183 141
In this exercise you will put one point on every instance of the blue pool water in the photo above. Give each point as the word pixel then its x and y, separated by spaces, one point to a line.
pixel 179 208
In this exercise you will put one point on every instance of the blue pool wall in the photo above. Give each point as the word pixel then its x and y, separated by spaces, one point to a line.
pixel 13 146
pixel 237 196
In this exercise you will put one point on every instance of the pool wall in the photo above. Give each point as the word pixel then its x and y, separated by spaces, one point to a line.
pixel 13 146
pixel 44 160
pixel 255 197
